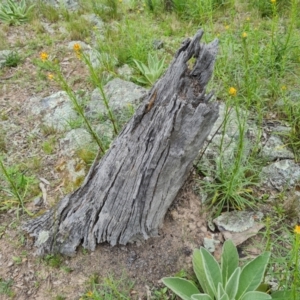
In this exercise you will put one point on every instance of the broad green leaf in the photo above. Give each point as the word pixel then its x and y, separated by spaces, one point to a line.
pixel 222 295
pixel 252 274
pixel 141 66
pixel 181 287
pixel 212 270
pixel 232 284
pixel 201 297
pixel 254 295
pixel 142 81
pixel 229 260
pixel 225 297
pixel 198 265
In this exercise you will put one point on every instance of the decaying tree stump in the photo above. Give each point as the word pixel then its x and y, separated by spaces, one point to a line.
pixel 126 195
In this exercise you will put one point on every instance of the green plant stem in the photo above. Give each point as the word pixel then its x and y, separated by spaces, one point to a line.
pixel 292 19
pixel 296 277
pixel 98 84
pixel 65 86
pixel 247 79
pixel 272 46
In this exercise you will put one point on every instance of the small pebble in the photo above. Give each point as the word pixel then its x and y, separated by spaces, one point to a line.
pixel 10 264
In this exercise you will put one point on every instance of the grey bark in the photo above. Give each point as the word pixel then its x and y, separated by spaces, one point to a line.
pixel 126 195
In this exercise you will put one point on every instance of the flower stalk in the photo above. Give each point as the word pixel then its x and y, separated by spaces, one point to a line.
pixel 60 79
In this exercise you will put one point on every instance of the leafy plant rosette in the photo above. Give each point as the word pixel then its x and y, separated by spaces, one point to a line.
pixel 151 72
pixel 227 281
pixel 14 13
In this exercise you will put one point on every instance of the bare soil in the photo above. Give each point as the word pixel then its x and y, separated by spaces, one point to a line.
pixel 145 264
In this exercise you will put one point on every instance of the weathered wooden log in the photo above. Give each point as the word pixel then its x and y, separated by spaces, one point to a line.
pixel 126 195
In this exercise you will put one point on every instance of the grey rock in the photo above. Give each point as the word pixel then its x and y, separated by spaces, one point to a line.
pixel 280 175
pixel 68 4
pixel 3 56
pixel 237 221
pixel 209 244
pixel 119 93
pixel 240 237
pixel 101 59
pixel 48 28
pixel 280 130
pixel 94 20
pixel 125 72
pixel 292 99
pixel 97 59
pixel 158 44
pixel 56 110
pixel 105 130
pixel 38 201
pixel 274 148
pixel 75 139
pixel 229 137
pixel 83 45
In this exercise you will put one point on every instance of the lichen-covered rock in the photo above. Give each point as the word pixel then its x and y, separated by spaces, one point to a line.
pixel 56 110
pixel 237 221
pixel 69 4
pixel 274 148
pixel 282 174
pixel 228 136
pixel 75 139
pixel 120 94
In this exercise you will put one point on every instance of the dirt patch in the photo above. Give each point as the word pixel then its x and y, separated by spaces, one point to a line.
pixel 145 264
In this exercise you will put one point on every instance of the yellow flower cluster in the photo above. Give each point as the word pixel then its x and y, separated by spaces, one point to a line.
pixel 232 91
pixel 50 76
pixel 77 49
pixel 297 229
pixel 43 56
pixel 244 35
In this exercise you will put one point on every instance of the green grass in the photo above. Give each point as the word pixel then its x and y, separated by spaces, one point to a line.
pixel 5 287
pixel 49 145
pixel 12 60
pixel 53 260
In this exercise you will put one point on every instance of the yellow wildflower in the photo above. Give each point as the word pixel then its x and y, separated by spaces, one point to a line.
pixel 283 88
pixel 43 56
pixel 244 35
pixel 89 294
pixel 273 1
pixel 248 19
pixel 232 91
pixel 76 47
pixel 50 76
pixel 227 27
pixel 297 229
